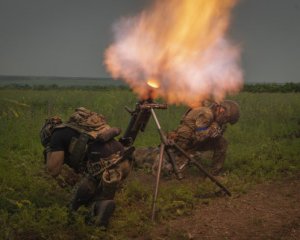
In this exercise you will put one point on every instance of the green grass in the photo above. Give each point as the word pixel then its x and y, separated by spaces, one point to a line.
pixel 263 146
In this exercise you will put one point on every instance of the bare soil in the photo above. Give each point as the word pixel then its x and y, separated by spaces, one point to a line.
pixel 267 211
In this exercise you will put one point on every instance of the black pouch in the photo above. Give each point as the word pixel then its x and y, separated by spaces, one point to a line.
pixel 78 152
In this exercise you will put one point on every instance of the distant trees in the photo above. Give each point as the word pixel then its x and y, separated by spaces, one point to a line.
pixel 272 87
pixel 248 87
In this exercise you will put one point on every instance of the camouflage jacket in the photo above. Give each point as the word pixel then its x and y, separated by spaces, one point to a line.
pixel 197 125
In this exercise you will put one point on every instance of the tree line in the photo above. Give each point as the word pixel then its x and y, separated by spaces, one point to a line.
pixel 248 87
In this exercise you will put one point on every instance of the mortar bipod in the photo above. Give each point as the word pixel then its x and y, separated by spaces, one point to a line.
pixel 166 146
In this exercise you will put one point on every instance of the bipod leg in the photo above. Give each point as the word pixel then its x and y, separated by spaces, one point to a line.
pixel 202 169
pixel 173 163
pixel 164 140
pixel 160 161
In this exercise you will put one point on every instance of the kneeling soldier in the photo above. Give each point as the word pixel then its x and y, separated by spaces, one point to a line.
pixel 202 128
pixel 86 143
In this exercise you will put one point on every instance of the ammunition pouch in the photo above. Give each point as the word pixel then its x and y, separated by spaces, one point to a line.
pixel 97 165
pixel 77 151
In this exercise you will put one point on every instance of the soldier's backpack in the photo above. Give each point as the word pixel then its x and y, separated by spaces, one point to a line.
pixel 88 122
pixel 91 126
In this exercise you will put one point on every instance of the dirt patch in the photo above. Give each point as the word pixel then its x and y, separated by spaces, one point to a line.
pixel 267 211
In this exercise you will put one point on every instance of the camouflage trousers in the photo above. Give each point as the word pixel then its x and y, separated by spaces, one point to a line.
pixel 217 145
pixel 92 189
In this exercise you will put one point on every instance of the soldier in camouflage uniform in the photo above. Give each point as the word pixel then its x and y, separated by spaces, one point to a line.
pixel 202 128
pixel 82 143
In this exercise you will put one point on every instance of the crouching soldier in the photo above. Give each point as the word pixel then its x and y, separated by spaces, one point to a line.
pixel 86 143
pixel 202 128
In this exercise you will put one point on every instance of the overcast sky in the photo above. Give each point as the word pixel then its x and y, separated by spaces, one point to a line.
pixel 68 37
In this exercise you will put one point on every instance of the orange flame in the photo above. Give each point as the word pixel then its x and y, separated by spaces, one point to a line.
pixel 183 44
pixel 153 83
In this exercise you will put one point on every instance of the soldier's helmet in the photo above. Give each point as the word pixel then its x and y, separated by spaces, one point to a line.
pixel 232 110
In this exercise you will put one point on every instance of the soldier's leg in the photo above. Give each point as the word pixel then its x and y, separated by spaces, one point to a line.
pixel 104 204
pixel 103 210
pixel 166 168
pixel 178 158
pixel 220 148
pixel 84 193
pixel 187 147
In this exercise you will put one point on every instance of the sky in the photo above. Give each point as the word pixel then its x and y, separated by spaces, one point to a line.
pixel 67 38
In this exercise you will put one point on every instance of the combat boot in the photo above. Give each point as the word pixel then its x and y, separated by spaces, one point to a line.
pixel 103 210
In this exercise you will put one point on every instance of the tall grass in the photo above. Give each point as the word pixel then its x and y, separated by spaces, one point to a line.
pixel 264 145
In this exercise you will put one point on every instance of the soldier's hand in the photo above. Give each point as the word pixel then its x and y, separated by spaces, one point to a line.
pixel 170 141
pixel 172 135
pixel 215 130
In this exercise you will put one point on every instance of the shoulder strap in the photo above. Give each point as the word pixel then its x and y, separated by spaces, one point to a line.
pixel 78 129
pixel 62 125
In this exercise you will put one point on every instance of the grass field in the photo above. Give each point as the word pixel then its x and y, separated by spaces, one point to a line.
pixel 264 145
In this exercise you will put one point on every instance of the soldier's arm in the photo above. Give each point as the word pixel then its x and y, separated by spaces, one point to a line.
pixel 203 123
pixel 56 152
pixel 216 130
pixel 55 162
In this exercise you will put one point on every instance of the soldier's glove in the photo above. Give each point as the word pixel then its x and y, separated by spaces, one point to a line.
pixel 215 130
pixel 47 128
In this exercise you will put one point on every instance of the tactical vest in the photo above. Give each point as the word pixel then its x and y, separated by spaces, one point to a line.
pixel 91 126
pixel 77 147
